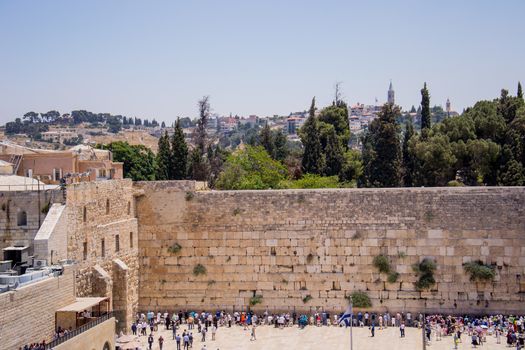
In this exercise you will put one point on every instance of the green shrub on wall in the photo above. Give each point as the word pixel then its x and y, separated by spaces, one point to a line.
pixel 479 271
pixel 256 299
pixel 425 271
pixel 381 263
pixel 175 248
pixel 199 269
pixel 360 300
pixel 307 298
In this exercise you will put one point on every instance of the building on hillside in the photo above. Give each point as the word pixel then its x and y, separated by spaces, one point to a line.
pixel 80 163
pixel 58 136
pixel 293 124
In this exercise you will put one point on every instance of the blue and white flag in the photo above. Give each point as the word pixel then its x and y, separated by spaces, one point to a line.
pixel 346 316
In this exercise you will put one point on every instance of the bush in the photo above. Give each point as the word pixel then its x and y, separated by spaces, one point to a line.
pixel 392 277
pixel 479 271
pixel 199 269
pixel 360 300
pixel 175 248
pixel 307 298
pixel 313 181
pixel 256 299
pixel 455 183
pixel 381 263
pixel 425 270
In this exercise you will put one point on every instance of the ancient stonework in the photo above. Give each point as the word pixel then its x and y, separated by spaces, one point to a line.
pixel 286 245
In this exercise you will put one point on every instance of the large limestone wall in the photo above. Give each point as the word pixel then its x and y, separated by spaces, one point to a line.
pixel 99 214
pixel 27 314
pixel 285 245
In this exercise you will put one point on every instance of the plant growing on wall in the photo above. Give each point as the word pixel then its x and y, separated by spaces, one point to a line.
pixel 175 248
pixel 479 271
pixel 392 277
pixel 256 299
pixel 307 298
pixel 309 258
pixel 381 263
pixel 360 300
pixel 199 269
pixel 425 271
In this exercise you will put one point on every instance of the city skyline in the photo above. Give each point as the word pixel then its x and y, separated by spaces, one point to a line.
pixel 260 58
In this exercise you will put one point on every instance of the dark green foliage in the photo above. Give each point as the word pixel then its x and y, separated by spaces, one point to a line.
pixel 175 248
pixel 409 161
pixel 381 150
pixel 334 157
pixel 392 277
pixel 257 299
pixel 198 165
pixel 425 271
pixel 313 159
pixel 360 300
pixel 281 148
pixel 425 108
pixel 45 208
pixel 337 116
pixel 520 91
pixel 381 263
pixel 164 158
pixel 479 271
pixel 139 161
pixel 307 298
pixel 179 154
pixel 199 269
pixel 266 140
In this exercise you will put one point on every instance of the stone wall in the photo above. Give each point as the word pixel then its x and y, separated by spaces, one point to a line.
pixel 103 240
pixel 28 313
pixel 286 245
pixel 12 206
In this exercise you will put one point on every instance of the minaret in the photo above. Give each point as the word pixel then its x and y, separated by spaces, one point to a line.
pixel 448 107
pixel 391 99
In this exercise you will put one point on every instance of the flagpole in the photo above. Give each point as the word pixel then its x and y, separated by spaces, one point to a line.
pixel 351 325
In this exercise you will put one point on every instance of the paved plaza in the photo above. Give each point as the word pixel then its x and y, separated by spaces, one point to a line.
pixel 317 338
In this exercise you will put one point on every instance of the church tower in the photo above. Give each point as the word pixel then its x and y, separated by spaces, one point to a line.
pixel 391 99
pixel 448 109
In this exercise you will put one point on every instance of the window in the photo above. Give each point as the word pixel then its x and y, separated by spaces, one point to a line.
pixel 29 173
pixel 107 206
pixel 21 218
pixel 57 174
pixel 85 250
pixel 103 248
pixel 117 243
pixel 84 214
pixel 131 239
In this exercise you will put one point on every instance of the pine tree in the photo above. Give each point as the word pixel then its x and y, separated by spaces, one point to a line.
pixel 381 150
pixel 426 119
pixel 163 125
pixel 281 151
pixel 520 92
pixel 266 140
pixel 408 159
pixel 313 158
pixel 179 154
pixel 163 158
pixel 199 164
pixel 334 154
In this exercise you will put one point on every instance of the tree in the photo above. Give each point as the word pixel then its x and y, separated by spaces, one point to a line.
pixel 164 158
pixel 139 160
pixel 216 158
pixel 163 125
pixel 337 116
pixel 313 158
pixel 334 155
pixel 251 168
pixel 281 151
pixel 409 162
pixel 266 140
pixel 32 117
pixel 520 92
pixel 425 108
pixel 381 150
pixel 435 160
pixel 179 154
pixel 352 168
pixel 199 164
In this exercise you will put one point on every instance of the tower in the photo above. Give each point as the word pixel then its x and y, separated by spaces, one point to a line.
pixel 448 107
pixel 391 94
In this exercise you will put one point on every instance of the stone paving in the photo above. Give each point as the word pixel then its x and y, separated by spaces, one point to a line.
pixel 316 338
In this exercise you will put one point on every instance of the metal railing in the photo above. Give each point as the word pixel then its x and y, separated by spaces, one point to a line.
pixel 79 330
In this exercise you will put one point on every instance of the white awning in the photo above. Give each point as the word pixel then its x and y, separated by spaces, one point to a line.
pixel 82 304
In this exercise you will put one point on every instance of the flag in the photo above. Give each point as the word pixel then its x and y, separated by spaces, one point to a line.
pixel 346 316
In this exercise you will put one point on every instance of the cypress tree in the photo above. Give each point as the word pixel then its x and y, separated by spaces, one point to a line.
pixel 408 159
pixel 267 140
pixel 333 154
pixel 381 152
pixel 179 154
pixel 280 146
pixel 313 158
pixel 426 119
pixel 163 158
pixel 520 92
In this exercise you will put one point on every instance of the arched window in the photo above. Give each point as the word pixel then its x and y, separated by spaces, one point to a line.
pixel 21 218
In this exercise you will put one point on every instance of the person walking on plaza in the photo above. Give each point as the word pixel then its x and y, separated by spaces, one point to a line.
pixel 213 331
pixel 186 341
pixel 203 332
pixel 190 337
pixel 161 342
pixel 177 340
pixel 402 330
pixel 252 338
pixel 150 341
pixel 134 328
pixel 373 329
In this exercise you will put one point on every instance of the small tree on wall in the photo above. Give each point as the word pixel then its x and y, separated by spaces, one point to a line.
pixel 360 300
pixel 479 271
pixel 425 271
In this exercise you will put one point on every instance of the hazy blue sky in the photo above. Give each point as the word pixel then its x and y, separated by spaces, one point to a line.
pixel 157 58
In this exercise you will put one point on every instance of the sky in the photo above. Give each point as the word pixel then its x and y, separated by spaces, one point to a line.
pixel 156 59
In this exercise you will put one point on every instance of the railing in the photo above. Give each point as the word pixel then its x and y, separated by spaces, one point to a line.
pixel 79 330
